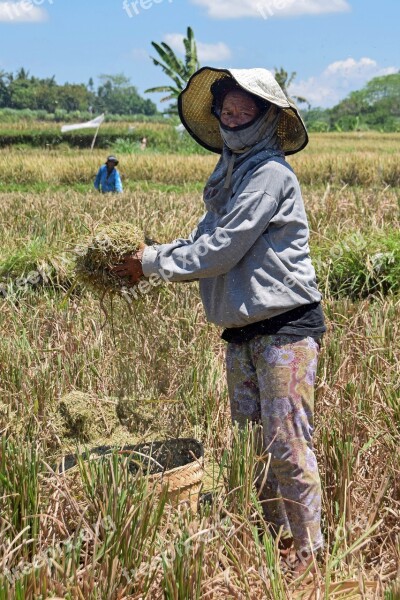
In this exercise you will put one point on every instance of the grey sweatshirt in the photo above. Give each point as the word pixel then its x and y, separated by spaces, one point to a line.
pixel 252 257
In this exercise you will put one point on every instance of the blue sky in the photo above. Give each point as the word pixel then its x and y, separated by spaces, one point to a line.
pixel 335 46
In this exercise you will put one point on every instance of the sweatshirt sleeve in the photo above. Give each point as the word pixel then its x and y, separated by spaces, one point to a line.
pixel 98 179
pixel 215 252
pixel 118 182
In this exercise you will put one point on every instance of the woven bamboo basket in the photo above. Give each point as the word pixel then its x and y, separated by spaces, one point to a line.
pixel 183 483
pixel 175 464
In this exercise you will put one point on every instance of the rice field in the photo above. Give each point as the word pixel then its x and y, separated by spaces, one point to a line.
pixel 154 369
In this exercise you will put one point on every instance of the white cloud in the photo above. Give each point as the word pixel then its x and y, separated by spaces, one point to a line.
pixel 206 52
pixel 213 52
pixel 25 11
pixel 235 9
pixel 339 79
pixel 364 69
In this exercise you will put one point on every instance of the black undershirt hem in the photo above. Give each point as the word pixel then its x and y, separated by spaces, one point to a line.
pixel 303 321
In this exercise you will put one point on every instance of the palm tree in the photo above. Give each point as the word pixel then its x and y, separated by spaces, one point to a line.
pixel 175 68
pixel 284 80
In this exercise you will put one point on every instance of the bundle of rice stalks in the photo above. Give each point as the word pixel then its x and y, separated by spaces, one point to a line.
pixel 99 253
pixel 86 417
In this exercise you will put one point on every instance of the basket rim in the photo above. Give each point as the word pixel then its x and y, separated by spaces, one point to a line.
pixel 179 478
pixel 107 450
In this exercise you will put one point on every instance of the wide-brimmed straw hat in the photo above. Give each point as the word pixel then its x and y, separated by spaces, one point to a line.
pixel 196 100
pixel 113 159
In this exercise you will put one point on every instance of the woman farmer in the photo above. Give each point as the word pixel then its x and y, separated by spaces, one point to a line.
pixel 108 178
pixel 250 253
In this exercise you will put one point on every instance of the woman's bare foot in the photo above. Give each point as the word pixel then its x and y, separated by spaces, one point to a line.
pixel 287 554
pixel 285 546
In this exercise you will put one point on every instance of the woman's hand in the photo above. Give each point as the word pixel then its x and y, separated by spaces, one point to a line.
pixel 131 266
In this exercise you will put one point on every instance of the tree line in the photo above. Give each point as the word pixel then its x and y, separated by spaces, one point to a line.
pixel 114 95
pixel 375 107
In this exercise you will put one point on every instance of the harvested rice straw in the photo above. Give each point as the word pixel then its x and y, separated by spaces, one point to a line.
pixel 107 248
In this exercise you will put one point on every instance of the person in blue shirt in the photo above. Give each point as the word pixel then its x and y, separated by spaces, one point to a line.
pixel 108 178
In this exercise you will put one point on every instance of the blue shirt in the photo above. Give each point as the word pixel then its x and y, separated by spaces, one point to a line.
pixel 108 182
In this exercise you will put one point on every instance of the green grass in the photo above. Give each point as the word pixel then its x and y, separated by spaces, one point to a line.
pixel 359 264
pixel 123 138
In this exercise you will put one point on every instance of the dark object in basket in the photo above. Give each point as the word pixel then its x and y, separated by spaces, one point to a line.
pixel 151 457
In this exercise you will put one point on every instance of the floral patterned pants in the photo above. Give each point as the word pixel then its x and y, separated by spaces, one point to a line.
pixel 271 382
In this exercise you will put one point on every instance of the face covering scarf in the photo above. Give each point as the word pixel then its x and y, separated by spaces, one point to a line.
pixel 243 150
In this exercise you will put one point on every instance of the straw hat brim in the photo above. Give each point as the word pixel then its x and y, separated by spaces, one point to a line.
pixel 195 101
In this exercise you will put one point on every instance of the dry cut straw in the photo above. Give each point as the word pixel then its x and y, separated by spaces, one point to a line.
pixel 106 248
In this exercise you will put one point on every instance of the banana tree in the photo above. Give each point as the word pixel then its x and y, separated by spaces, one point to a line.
pixel 175 68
